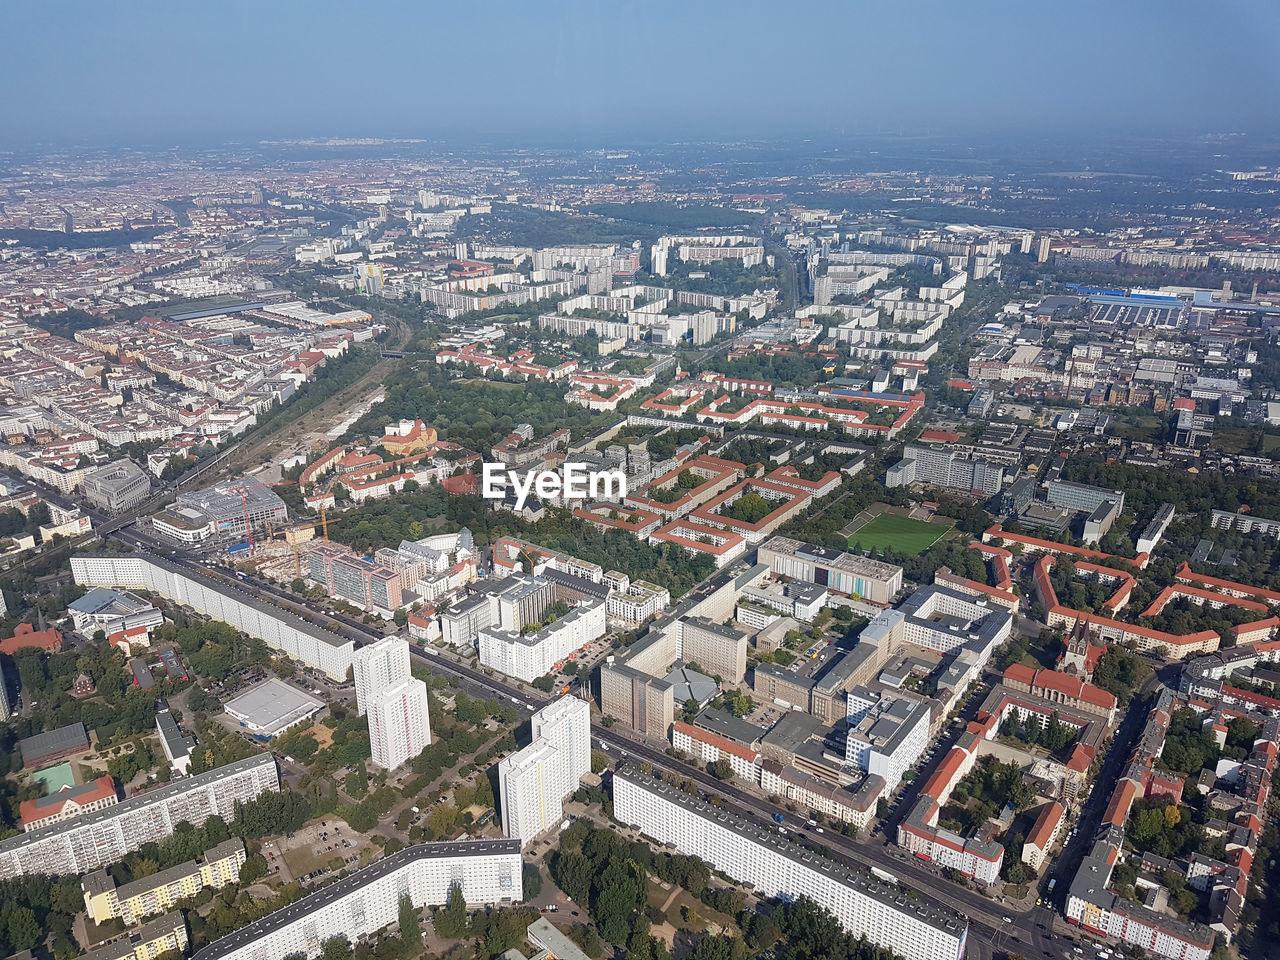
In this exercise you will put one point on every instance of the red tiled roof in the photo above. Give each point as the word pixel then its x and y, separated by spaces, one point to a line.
pixel 1046 823
pixel 946 771
pixel 41 808
pixel 25 635
pixel 1118 808
pixel 1020 673
pixel 940 436
pixel 723 744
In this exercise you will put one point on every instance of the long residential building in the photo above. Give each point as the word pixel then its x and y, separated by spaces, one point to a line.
pixel 527 656
pixel 313 645
pixel 746 853
pixel 941 467
pixel 360 904
pixel 101 837
pixel 149 895
pixel 162 936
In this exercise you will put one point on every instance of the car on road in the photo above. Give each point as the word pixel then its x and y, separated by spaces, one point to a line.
pixel 1007 919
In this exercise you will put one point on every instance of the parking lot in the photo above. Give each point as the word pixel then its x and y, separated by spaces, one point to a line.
pixel 317 850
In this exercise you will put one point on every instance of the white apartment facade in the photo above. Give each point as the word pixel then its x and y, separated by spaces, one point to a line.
pixel 776 868
pixel 96 839
pixel 303 641
pixel 533 783
pixel 359 905
pixel 529 656
pixel 399 723
pixel 377 667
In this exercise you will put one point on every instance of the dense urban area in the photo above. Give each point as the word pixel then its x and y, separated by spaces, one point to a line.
pixel 919 596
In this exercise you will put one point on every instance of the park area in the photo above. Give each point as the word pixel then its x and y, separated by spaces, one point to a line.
pixel 898 533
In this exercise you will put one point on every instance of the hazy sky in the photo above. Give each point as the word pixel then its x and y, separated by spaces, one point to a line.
pixel 168 71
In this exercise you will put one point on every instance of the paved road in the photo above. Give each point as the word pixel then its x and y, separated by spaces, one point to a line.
pixel 1028 931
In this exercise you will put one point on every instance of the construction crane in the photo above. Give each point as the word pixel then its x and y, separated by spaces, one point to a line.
pixel 293 540
pixel 243 490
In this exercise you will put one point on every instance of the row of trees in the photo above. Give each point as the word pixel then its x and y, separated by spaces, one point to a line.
pixel 381 523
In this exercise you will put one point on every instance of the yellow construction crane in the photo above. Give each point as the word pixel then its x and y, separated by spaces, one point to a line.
pixel 293 539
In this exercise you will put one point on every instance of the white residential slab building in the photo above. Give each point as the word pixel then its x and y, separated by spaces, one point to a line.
pixel 359 905
pixel 866 907
pixel 533 783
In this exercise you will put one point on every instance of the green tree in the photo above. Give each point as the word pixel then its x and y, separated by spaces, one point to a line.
pixel 336 948
pixel 410 929
pixel 721 769
pixel 531 876
pixel 451 919
pixel 253 869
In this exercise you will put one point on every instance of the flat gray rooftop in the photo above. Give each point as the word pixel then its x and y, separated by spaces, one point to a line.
pixel 272 706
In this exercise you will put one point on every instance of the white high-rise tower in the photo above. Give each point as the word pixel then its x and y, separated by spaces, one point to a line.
pixel 377 667
pixel 534 782
pixel 394 702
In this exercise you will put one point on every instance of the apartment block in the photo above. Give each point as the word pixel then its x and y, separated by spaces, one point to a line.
pixel 104 836
pixel 940 467
pixel 362 903
pixel 534 782
pixel 748 854
pixel 104 899
pixel 163 935
pixel 279 629
pixel 527 656
pixel 394 702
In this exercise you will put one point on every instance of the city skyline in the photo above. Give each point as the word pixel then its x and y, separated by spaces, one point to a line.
pixel 162 75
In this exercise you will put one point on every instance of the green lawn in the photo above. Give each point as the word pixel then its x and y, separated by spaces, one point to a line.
pixel 897 533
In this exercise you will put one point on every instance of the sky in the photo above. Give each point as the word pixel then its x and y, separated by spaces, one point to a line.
pixel 160 72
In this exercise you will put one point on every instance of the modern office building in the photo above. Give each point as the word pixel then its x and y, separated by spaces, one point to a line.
pixel 235 507
pixel 533 783
pixel 279 629
pixel 97 839
pixel 644 702
pixel 888 731
pixel 747 853
pixel 840 572
pixel 718 649
pixel 358 905
pixel 146 896
pixel 117 486
pixel 1082 496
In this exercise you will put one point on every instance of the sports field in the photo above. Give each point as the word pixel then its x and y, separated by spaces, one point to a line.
pixel 897 533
